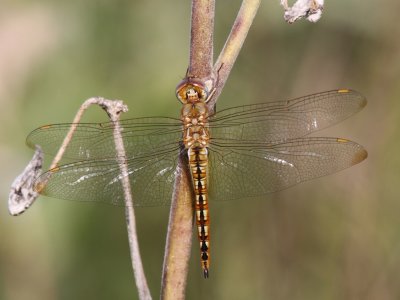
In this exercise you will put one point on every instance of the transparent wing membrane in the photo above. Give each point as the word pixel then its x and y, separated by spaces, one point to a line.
pixel 151 179
pixel 242 171
pixel 274 121
pixel 95 140
pixel 254 150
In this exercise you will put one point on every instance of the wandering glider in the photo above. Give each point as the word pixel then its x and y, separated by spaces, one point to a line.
pixel 239 152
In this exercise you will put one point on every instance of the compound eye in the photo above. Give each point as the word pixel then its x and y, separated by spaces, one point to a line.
pixel 182 96
pixel 204 95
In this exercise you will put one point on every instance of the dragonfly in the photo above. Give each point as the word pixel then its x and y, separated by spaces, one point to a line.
pixel 236 153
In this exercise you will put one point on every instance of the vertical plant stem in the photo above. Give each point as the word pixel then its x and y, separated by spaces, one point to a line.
pixel 179 236
pixel 180 227
pixel 201 39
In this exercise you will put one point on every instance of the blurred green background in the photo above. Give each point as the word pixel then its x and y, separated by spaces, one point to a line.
pixel 336 237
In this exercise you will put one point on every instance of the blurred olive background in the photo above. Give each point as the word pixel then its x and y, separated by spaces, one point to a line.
pixel 336 237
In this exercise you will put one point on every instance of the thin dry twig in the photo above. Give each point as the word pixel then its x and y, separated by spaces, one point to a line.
pixel 114 109
pixel 23 191
pixel 233 45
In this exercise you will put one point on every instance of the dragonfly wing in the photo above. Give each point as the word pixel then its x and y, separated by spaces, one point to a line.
pixel 151 178
pixel 242 171
pixel 95 140
pixel 277 121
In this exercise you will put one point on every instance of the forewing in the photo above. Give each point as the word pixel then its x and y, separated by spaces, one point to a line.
pixel 242 171
pixel 95 140
pixel 277 121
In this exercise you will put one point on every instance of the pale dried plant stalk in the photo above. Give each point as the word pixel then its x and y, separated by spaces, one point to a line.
pixel 114 109
pixel 233 45
pixel 23 191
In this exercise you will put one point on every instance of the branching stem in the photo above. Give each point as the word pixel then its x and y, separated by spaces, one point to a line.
pixel 233 44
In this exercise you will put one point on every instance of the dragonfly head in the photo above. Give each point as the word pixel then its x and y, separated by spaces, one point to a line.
pixel 191 91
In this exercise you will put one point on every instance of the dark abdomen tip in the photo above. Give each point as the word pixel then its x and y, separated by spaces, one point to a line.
pixel 205 273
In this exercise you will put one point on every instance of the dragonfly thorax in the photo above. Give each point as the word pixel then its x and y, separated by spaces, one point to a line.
pixel 195 125
pixel 194 114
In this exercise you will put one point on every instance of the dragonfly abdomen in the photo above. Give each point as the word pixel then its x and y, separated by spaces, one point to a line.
pixel 198 162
